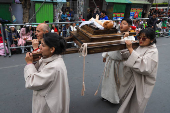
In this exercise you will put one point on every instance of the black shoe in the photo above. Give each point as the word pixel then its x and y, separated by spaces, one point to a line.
pixel 103 99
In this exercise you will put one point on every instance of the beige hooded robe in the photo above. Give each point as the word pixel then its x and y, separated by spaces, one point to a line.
pixel 49 82
pixel 114 70
pixel 138 81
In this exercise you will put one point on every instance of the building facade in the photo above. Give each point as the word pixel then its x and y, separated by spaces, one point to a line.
pixel 160 1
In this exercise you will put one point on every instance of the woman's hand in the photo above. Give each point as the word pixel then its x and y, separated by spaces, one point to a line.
pixel 129 45
pixel 126 34
pixel 36 55
pixel 29 58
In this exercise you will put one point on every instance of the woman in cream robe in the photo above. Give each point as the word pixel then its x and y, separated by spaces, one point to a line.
pixel 140 71
pixel 49 82
pixel 113 71
pixel 114 67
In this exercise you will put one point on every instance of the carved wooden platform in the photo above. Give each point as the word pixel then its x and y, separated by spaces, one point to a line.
pixel 68 51
pixel 95 31
pixel 98 47
pixel 98 40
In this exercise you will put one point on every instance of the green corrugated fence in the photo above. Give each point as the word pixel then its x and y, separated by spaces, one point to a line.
pixel 45 13
pixel 4 12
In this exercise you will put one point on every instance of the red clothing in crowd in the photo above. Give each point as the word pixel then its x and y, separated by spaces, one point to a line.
pixel 55 30
pixel 1 41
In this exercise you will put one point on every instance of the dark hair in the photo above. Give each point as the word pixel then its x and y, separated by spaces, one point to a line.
pixel 153 14
pixel 47 21
pixel 54 26
pixel 13 31
pixel 128 20
pixel 149 33
pixel 27 29
pixel 56 41
pixel 103 11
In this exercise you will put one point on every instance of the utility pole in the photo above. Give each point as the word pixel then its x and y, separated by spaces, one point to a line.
pixel 168 9
pixel 148 8
pixel 70 4
pixel 80 7
pixel 26 5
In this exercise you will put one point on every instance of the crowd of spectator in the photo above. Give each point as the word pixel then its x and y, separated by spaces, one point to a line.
pixel 102 14
pixel 67 15
pixel 19 36
pixel 158 21
pixel 159 12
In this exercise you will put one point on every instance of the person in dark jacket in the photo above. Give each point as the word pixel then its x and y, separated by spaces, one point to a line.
pixel 90 14
pixel 4 21
pixel 13 35
pixel 66 30
pixel 96 11
pixel 153 21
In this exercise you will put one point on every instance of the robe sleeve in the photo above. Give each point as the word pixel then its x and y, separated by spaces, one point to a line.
pixel 125 54
pixel 130 38
pixel 38 80
pixel 37 65
pixel 143 64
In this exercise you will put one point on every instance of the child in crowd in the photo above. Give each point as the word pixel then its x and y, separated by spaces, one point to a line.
pixel 25 34
pixel 164 24
pixel 54 29
pixel 13 38
pixel 73 27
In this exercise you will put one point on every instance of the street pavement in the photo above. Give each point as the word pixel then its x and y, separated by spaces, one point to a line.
pixel 14 98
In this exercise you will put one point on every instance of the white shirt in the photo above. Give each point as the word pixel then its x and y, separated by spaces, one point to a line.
pixel 128 38
pixel 73 28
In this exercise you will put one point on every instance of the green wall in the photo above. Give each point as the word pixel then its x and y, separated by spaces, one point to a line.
pixel 4 12
pixel 45 13
pixel 119 8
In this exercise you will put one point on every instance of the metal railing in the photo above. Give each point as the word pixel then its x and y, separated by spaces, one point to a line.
pixel 3 38
pixel 59 27
pixel 162 31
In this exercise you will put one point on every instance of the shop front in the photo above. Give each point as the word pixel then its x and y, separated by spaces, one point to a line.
pixel 119 9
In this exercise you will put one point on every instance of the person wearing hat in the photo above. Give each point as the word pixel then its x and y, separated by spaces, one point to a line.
pixel 13 38
pixel 13 35
pixel 25 34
